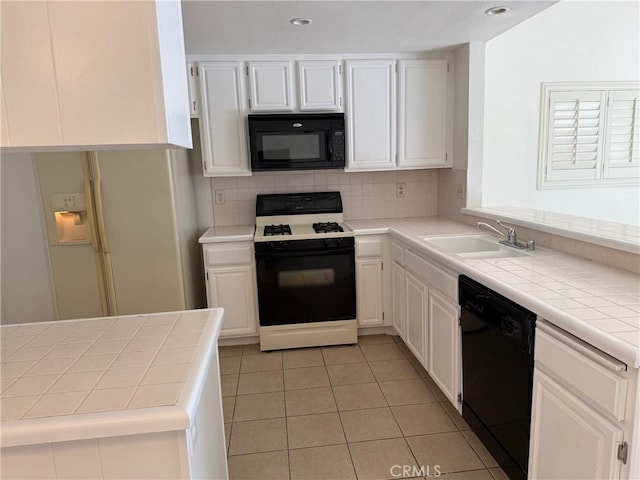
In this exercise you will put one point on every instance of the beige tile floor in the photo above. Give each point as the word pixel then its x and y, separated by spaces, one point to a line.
pixel 343 412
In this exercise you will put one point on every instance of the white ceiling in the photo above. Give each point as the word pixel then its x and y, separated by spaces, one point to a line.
pixel 344 26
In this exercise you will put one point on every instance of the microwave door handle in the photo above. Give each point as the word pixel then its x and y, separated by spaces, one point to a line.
pixel 330 151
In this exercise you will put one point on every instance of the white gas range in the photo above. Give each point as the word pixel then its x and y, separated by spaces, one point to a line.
pixel 301 227
pixel 305 262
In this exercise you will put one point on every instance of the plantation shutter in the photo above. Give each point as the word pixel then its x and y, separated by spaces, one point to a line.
pixel 622 151
pixel 574 136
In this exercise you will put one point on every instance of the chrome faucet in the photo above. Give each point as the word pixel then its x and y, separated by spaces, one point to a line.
pixel 511 236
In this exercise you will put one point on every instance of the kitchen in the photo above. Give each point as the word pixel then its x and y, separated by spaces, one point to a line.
pixel 481 156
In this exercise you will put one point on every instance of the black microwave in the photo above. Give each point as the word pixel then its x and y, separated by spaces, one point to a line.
pixel 303 141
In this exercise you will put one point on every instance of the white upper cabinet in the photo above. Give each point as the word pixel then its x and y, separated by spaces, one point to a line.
pixel 371 114
pixel 273 88
pixel 319 83
pixel 398 112
pixel 270 85
pixel 422 113
pixel 80 75
pixel 222 119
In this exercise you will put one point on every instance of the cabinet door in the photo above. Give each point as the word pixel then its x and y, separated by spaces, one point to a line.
pixel 422 113
pixel 416 312
pixel 94 75
pixel 30 103
pixel 270 85
pixel 568 438
pixel 319 83
pixel 444 345
pixel 397 292
pixel 222 124
pixel 371 114
pixel 369 291
pixel 233 288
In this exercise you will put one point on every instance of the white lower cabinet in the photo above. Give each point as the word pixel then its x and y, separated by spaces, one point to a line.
pixel 443 345
pixel 569 439
pixel 369 292
pixel 231 284
pixel 371 253
pixel 397 294
pixel 582 410
pixel 416 295
pixel 427 319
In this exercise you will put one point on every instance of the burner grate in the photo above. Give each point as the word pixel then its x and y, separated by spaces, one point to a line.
pixel 276 230
pixel 327 227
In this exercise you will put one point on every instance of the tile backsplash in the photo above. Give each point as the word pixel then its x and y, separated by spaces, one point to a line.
pixel 364 195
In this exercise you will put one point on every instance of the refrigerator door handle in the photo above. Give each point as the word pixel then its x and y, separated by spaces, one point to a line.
pixel 106 270
pixel 95 245
pixel 91 214
pixel 97 192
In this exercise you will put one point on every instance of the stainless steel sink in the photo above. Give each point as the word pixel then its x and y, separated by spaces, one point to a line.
pixel 473 246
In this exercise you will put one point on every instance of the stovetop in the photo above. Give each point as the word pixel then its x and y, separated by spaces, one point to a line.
pixel 300 216
pixel 283 228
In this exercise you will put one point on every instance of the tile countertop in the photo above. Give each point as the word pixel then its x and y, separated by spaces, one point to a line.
pixel 608 234
pixel 597 303
pixel 103 377
pixel 236 233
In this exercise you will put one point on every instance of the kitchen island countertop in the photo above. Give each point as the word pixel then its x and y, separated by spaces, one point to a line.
pixel 596 303
pixel 104 377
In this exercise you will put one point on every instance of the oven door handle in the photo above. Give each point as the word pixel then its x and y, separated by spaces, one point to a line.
pixel 304 253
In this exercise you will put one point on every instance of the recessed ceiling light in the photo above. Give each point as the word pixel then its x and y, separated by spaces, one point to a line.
pixel 300 21
pixel 497 10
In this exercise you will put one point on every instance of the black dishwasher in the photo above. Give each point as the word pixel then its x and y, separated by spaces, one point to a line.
pixel 497 373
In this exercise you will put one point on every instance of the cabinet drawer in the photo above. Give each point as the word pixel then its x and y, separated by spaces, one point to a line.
pixel 446 283
pixel 397 253
pixel 437 278
pixel 368 247
pixel 228 254
pixel 593 375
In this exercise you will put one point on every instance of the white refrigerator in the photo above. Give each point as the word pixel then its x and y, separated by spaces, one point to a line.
pixel 121 230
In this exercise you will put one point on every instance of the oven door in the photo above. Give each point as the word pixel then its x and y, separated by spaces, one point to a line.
pixel 305 285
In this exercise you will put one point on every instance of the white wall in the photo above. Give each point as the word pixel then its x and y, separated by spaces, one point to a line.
pixel 475 128
pixel 27 292
pixel 570 41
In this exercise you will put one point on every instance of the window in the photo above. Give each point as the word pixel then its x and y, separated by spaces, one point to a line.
pixel 589 134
